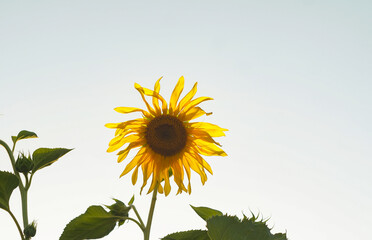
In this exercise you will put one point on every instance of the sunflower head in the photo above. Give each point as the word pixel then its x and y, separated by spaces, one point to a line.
pixel 169 144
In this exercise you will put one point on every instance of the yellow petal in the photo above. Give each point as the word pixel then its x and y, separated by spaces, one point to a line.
pixel 139 89
pixel 186 166
pixel 193 103
pixel 151 93
pixel 203 136
pixel 176 94
pixel 112 125
pixel 186 98
pixel 153 184
pixel 202 162
pixel 160 189
pixel 135 161
pixel 135 175
pixel 123 126
pixel 127 139
pixel 193 113
pixel 212 129
pixel 136 129
pixel 147 167
pixel 156 176
pixel 117 139
pixel 167 186
pixel 126 110
pixel 196 167
pixel 155 101
pixel 208 149
pixel 178 174
pixel 124 153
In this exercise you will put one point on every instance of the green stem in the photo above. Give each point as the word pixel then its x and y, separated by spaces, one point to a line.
pixel 22 188
pixel 29 181
pixel 26 180
pixel 151 213
pixel 12 160
pixel 138 216
pixel 13 147
pixel 134 220
pixel 24 207
pixel 18 226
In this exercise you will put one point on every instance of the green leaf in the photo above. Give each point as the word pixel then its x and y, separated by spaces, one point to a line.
pixel 225 228
pixel 189 235
pixel 280 236
pixel 95 223
pixel 8 182
pixel 228 227
pixel 24 134
pixel 44 157
pixel 131 201
pixel 205 212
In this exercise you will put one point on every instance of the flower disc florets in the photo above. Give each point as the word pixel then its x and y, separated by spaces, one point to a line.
pixel 166 135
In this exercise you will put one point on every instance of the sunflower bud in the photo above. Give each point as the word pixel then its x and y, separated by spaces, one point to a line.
pixel 30 230
pixel 119 208
pixel 24 164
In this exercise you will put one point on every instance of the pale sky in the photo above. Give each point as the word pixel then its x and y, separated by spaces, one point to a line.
pixel 291 80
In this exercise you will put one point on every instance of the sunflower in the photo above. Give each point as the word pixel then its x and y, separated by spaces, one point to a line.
pixel 169 144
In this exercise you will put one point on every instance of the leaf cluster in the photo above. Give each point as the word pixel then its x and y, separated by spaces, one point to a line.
pixel 27 165
pixel 224 227
pixel 41 157
pixel 97 222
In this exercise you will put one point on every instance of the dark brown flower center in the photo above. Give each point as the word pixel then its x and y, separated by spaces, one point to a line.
pixel 166 135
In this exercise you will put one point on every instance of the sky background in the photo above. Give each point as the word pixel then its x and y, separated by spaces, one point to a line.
pixel 291 80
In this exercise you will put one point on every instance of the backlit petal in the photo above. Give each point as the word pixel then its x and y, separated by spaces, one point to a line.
pixel 130 110
pixel 193 113
pixel 155 101
pixel 139 89
pixel 135 175
pixel 186 98
pixel 167 186
pixel 176 94
pixel 134 161
pixel 151 93
pixel 208 149
pixel 194 103
pixel 127 139
pixel 212 129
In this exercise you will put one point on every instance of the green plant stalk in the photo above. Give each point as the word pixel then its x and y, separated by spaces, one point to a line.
pixel 18 226
pixel 21 187
pixel 151 214
pixel 135 221
pixel 138 216
pixel 24 207
pixel 12 160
